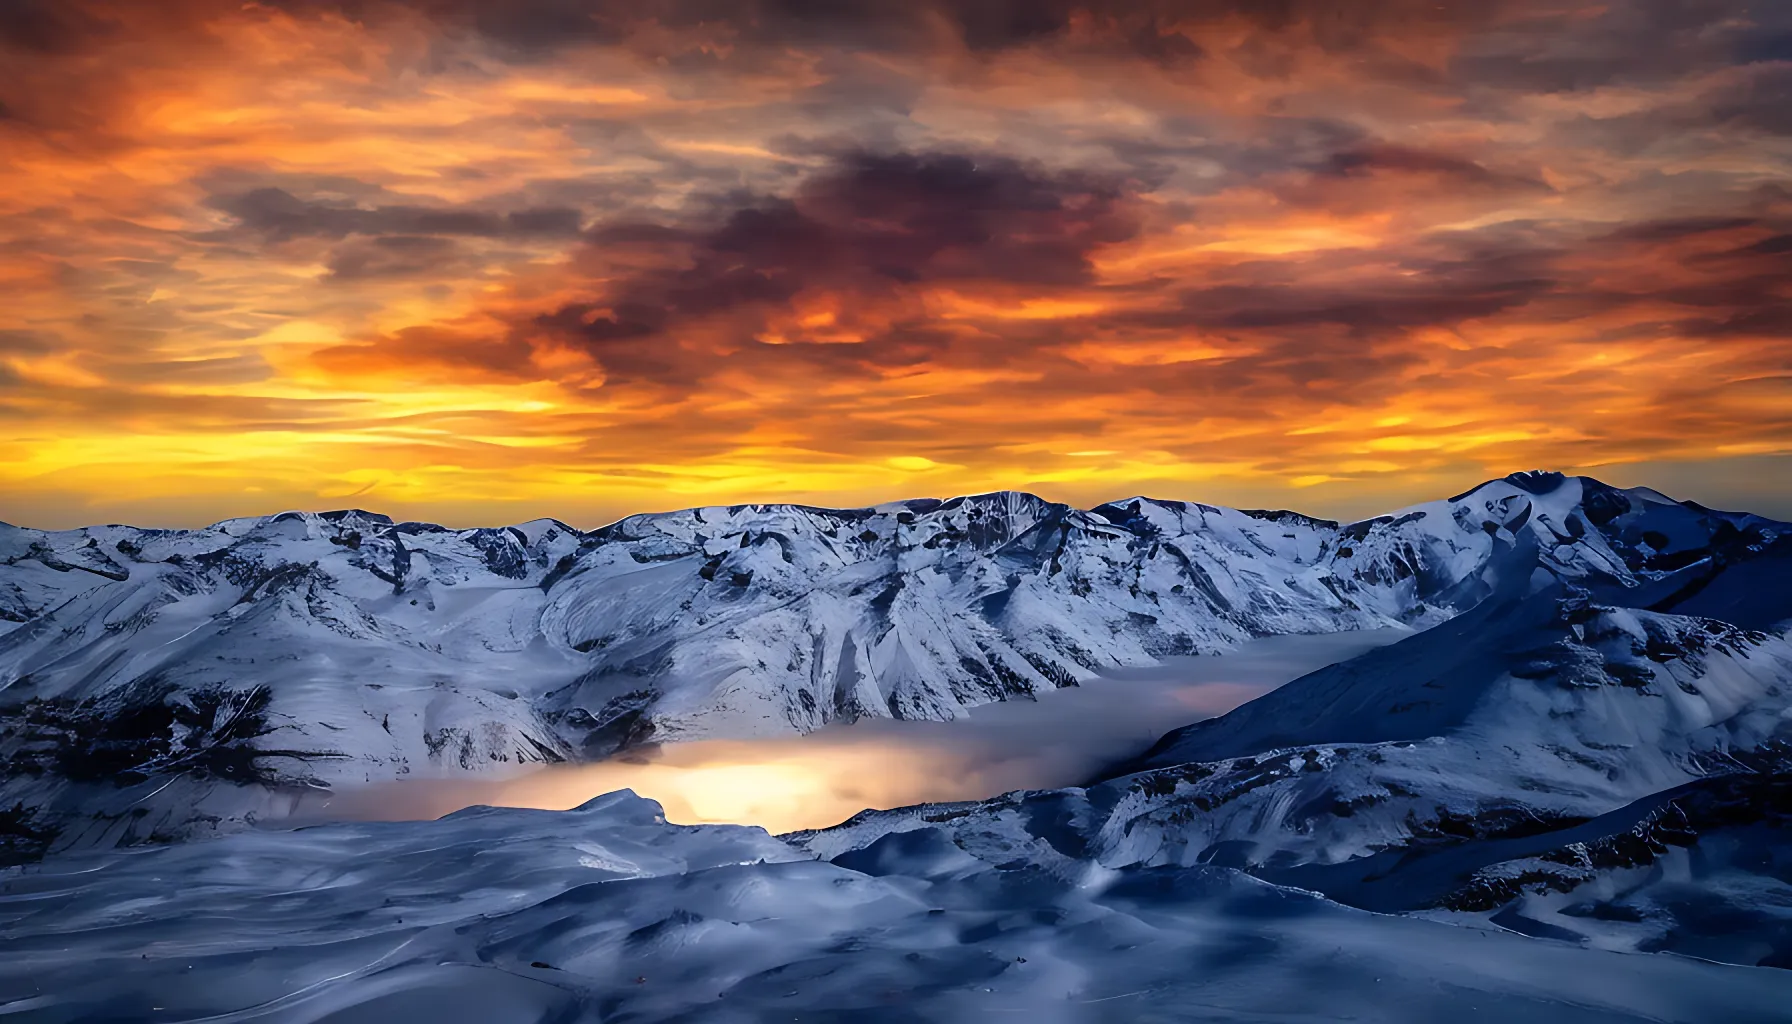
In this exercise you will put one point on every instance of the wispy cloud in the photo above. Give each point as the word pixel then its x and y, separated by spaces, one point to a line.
pixel 484 260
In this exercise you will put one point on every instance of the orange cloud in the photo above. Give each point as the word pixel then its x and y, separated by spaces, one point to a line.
pixel 586 259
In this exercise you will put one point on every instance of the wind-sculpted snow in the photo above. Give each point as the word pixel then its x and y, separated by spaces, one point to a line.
pixel 609 914
pixel 155 683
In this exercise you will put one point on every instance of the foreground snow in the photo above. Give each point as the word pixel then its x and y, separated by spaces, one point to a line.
pixel 607 913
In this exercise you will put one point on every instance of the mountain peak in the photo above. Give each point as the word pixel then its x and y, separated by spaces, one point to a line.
pixel 1537 481
pixel 338 515
pixel 1532 481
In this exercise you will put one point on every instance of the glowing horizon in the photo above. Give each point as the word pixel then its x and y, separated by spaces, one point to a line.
pixel 587 260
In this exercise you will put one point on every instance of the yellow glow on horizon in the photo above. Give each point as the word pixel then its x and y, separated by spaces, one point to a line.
pixel 1442 290
pixel 913 463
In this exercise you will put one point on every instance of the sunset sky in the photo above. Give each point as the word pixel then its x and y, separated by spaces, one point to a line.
pixel 480 262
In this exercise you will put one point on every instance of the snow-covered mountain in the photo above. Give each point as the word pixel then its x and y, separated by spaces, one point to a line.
pixel 1574 756
pixel 1583 753
pixel 146 675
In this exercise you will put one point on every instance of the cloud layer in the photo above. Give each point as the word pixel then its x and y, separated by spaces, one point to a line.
pixel 474 261
pixel 1064 738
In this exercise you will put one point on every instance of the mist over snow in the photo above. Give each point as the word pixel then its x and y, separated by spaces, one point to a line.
pixel 1061 738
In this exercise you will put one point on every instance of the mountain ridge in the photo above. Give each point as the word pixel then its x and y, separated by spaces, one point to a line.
pixel 1523 478
pixel 305 650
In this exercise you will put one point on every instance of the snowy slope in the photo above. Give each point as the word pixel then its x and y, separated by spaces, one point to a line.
pixel 146 675
pixel 1585 757
pixel 1562 752
pixel 1522 717
pixel 609 914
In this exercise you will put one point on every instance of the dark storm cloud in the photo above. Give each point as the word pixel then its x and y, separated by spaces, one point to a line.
pixel 22 343
pixel 916 217
pixel 1152 29
pixel 1543 48
pixel 1736 272
pixel 875 225
pixel 1767 321
pixel 1671 230
pixel 1366 160
pixel 280 216
pixel 872 224
pixel 1760 100
pixel 1766 45
pixel 1148 27
pixel 52 26
pixel 1778 245
pixel 393 256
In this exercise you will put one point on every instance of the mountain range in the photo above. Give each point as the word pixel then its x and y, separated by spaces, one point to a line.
pixel 229 669
pixel 1579 750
